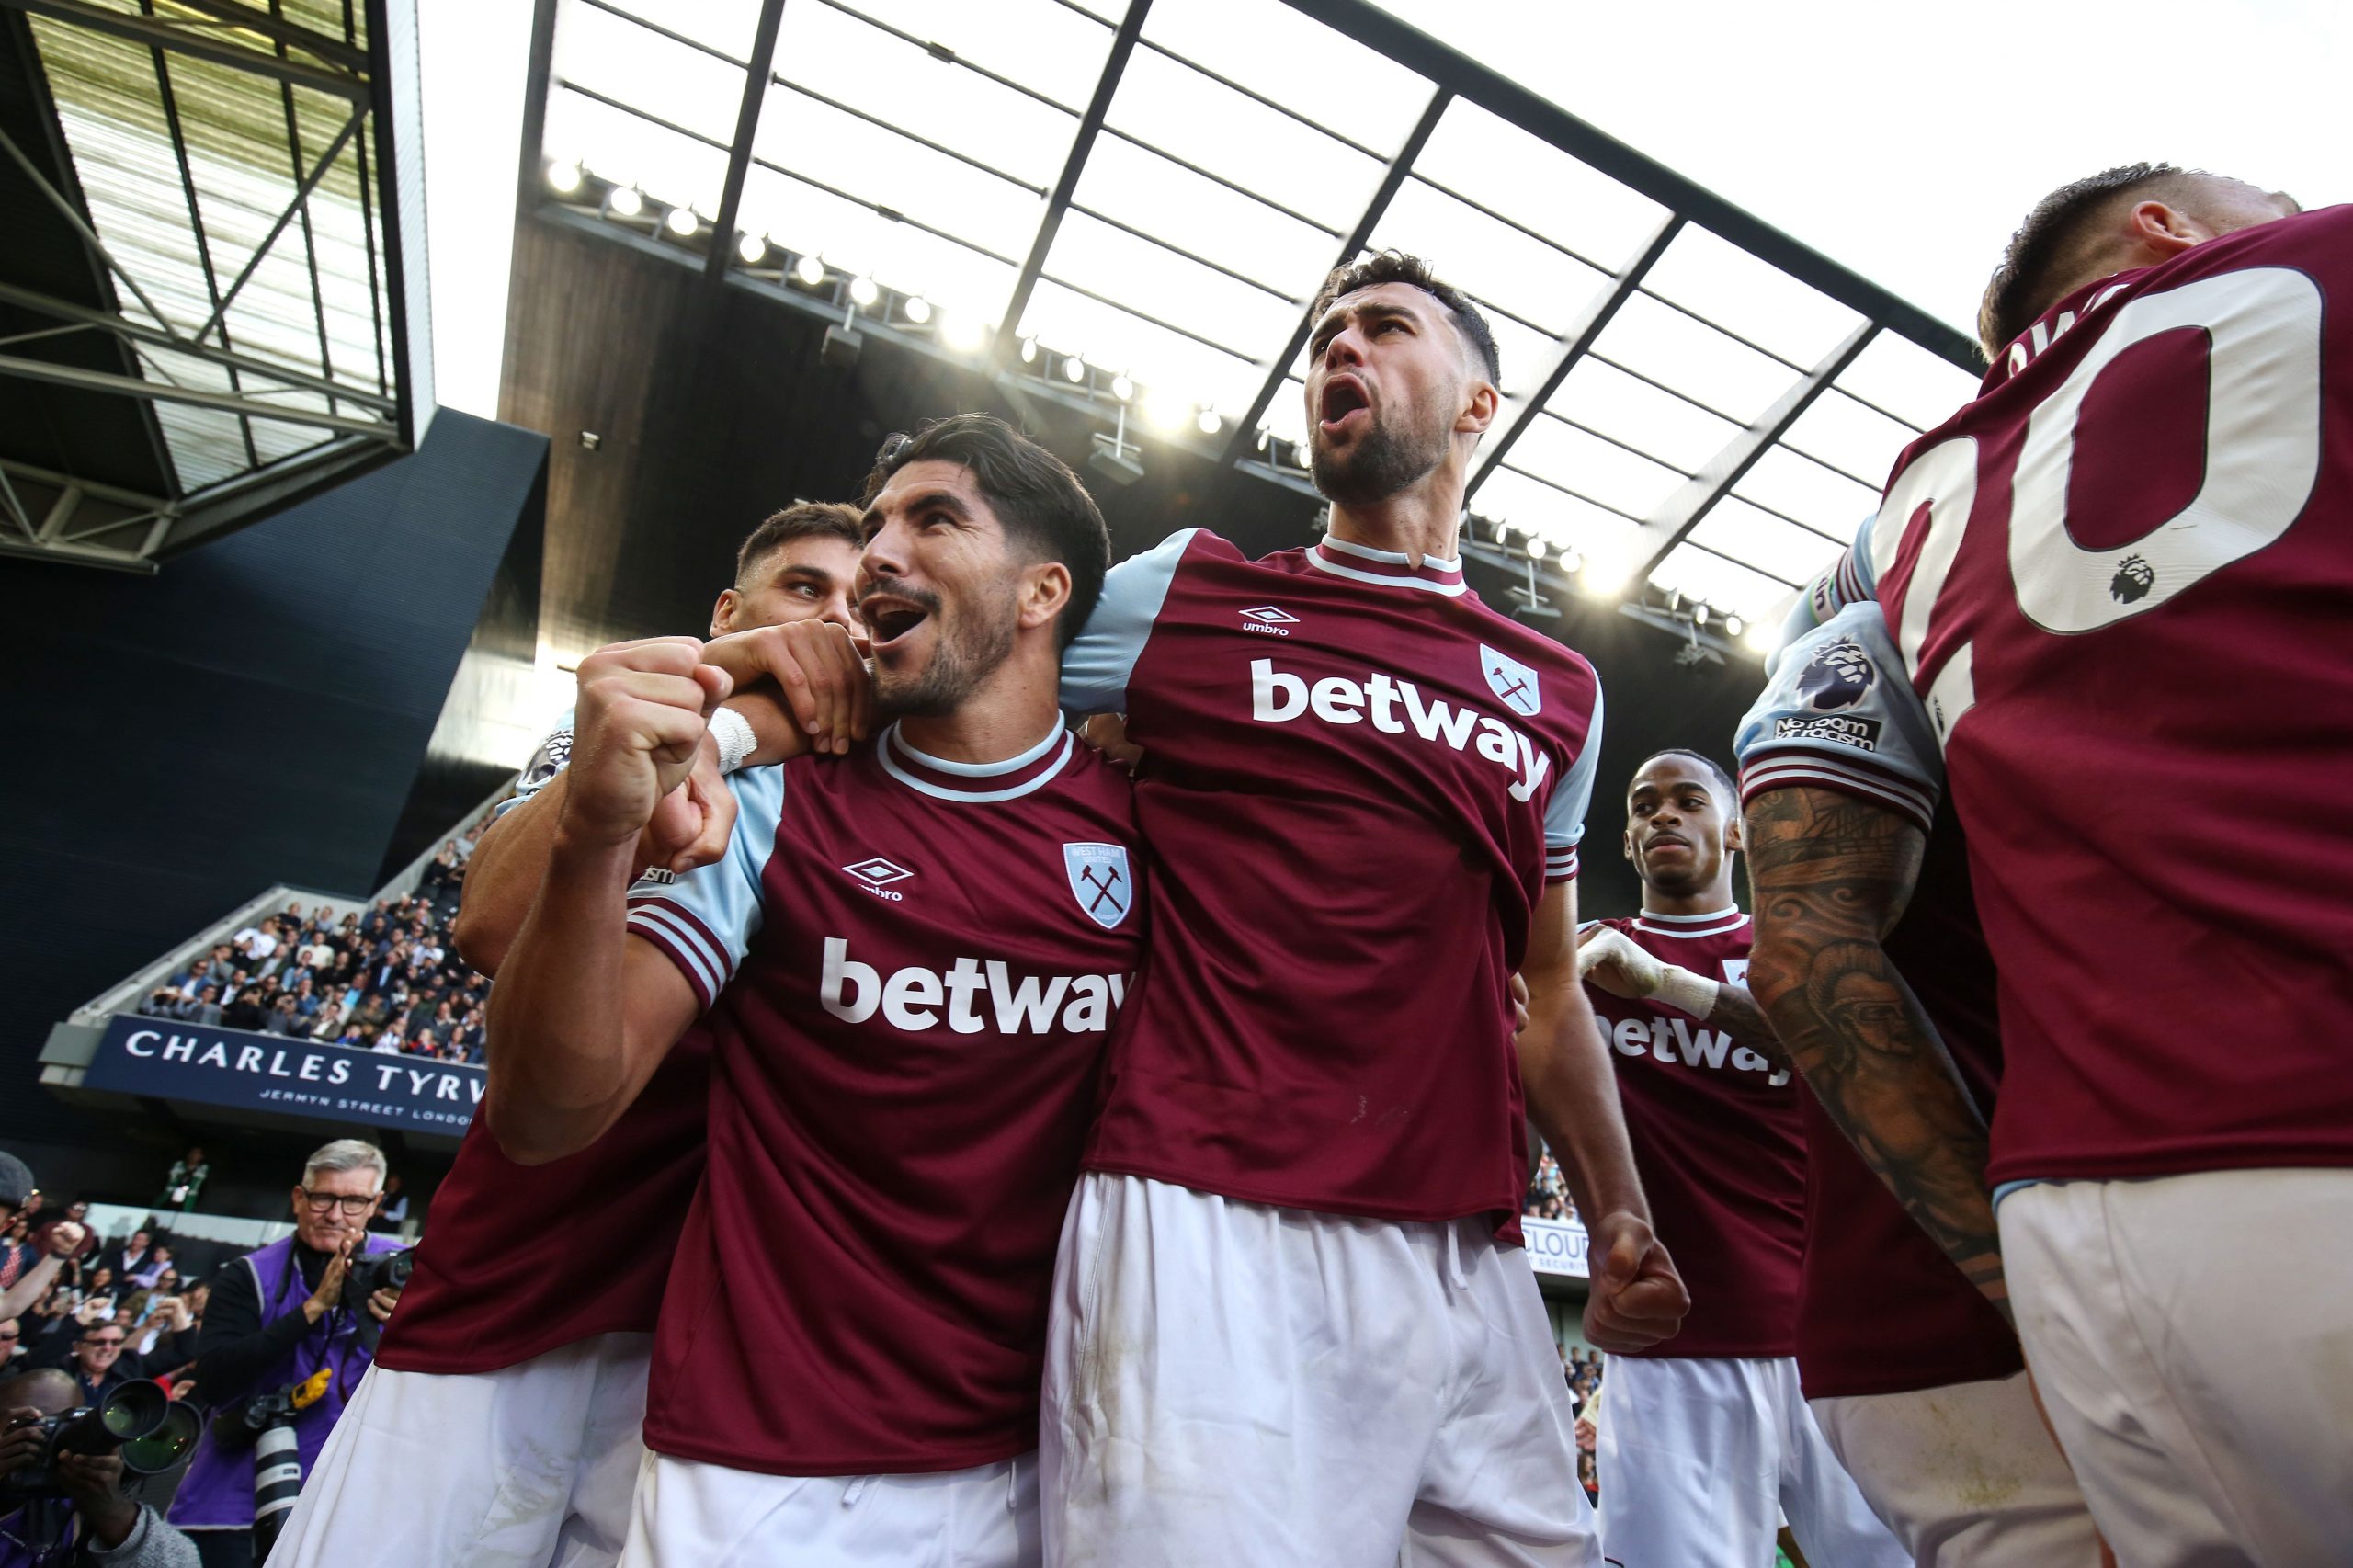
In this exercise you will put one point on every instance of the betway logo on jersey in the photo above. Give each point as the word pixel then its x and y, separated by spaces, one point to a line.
pixel 1396 707
pixel 975 993
pixel 1672 1040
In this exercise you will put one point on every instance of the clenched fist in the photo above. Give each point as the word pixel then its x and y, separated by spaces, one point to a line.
pixel 643 710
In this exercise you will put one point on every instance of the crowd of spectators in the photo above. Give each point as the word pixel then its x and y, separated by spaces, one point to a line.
pixel 113 1312
pixel 1547 1192
pixel 387 979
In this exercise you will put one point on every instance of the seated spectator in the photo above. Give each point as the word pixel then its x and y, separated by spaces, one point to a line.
pixel 151 1272
pixel 328 1025
pixel 283 1018
pixel 245 1012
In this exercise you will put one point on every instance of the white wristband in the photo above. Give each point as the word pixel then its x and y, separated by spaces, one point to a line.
pixel 1686 992
pixel 733 734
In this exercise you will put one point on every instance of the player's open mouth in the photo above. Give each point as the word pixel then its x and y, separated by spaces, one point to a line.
pixel 891 618
pixel 1344 399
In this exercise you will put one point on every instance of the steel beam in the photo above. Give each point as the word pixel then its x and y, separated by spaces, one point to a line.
pixel 1124 44
pixel 140 332
pixel 1576 344
pixel 302 195
pixel 199 40
pixel 1378 30
pixel 1696 497
pixel 235 502
pixel 1245 430
pixel 747 123
pixel 198 397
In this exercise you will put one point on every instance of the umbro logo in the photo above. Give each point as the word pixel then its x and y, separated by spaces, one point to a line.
pixel 877 874
pixel 1269 620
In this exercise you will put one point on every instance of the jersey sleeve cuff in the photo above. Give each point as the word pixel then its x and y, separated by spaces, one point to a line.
pixel 1767 770
pixel 685 941
pixel 1560 862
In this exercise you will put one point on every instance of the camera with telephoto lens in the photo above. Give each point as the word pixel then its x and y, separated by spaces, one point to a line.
pixel 139 1418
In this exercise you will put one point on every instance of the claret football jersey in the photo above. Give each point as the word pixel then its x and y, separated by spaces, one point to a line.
pixel 508 1269
pixel 911 967
pixel 1718 1138
pixel 1358 780
pixel 1881 1308
pixel 2121 583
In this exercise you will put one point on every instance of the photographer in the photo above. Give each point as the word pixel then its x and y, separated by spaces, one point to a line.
pixel 87 1519
pixel 277 1317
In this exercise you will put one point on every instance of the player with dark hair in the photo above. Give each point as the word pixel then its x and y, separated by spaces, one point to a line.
pixel 1292 1322
pixel 511 1385
pixel 1706 1440
pixel 1863 885
pixel 2118 583
pixel 907 963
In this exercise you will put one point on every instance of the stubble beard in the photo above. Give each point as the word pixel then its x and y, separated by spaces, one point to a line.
pixel 1386 461
pixel 961 659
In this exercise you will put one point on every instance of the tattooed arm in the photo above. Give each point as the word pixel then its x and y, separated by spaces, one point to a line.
pixel 1831 877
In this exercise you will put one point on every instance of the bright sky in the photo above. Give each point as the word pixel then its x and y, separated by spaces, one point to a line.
pixel 1908 140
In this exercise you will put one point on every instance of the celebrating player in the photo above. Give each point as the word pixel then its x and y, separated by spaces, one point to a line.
pixel 1291 1323
pixel 1705 1440
pixel 908 961
pixel 511 1385
pixel 1912 1374
pixel 2117 580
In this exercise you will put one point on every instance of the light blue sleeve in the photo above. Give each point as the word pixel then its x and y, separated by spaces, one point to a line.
pixel 705 920
pixel 1100 660
pixel 1572 797
pixel 1839 712
pixel 552 758
pixel 1850 580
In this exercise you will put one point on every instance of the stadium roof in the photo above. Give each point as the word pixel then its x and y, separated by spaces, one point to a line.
pixel 1141 198
pixel 207 308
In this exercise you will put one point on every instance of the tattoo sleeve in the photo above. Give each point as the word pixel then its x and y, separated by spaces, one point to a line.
pixel 1831 877
pixel 1736 1013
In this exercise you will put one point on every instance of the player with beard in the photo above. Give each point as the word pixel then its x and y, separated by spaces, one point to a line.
pixel 510 1387
pixel 1868 942
pixel 908 962
pixel 1292 1322
pixel 2118 583
pixel 1706 1440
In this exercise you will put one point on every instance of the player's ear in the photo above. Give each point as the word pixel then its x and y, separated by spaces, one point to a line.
pixel 1479 407
pixel 1045 590
pixel 2168 230
pixel 723 612
pixel 1732 830
pixel 1626 845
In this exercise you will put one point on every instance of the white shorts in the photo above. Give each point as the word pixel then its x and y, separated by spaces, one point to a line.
pixel 1700 1456
pixel 1965 1475
pixel 527 1467
pixel 1236 1385
pixel 2193 1337
pixel 690 1514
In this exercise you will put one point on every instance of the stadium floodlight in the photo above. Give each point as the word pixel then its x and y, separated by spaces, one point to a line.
pixel 1029 350
pixel 626 201
pixel 1501 531
pixel 863 291
pixel 1074 369
pixel 1209 422
pixel 1734 626
pixel 1700 615
pixel 751 247
pixel 563 176
pixel 682 222
pixel 963 333
pixel 1122 388
pixel 1163 411
pixel 809 270
pixel 1536 548
pixel 918 308
pixel 1571 562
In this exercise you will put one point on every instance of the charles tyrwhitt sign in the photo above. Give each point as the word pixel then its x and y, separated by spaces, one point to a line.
pixel 170 1061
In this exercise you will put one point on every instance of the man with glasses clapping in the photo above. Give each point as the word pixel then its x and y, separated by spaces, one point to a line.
pixel 277 1318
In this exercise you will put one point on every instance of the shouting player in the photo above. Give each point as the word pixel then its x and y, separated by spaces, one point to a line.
pixel 1914 1375
pixel 510 1387
pixel 1291 1321
pixel 2119 581
pixel 908 961
pixel 1705 1440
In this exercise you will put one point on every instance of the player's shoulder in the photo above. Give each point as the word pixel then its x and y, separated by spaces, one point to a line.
pixel 1839 710
pixel 1091 778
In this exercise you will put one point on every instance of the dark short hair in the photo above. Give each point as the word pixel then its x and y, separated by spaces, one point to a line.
pixel 2050 245
pixel 1045 511
pixel 1396 267
pixel 802 519
pixel 1715 769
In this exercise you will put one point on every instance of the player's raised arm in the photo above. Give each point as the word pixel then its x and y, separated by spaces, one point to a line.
pixel 1637 1299
pixel 583 1011
pixel 1832 875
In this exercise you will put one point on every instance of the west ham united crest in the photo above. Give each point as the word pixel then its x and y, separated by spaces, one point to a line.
pixel 1100 881
pixel 1512 681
